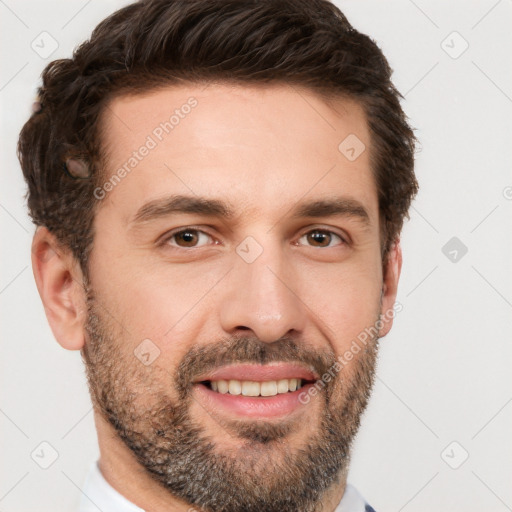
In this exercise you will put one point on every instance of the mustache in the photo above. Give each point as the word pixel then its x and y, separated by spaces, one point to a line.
pixel 247 349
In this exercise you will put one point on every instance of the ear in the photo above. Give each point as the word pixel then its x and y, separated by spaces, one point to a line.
pixel 59 283
pixel 390 286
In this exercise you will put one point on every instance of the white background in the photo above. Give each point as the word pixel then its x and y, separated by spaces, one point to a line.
pixel 444 372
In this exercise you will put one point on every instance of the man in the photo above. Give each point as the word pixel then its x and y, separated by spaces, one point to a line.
pixel 219 188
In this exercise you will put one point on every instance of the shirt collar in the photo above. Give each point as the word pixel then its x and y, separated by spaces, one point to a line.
pixel 99 496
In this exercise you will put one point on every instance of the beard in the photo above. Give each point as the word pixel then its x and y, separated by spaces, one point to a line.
pixel 267 471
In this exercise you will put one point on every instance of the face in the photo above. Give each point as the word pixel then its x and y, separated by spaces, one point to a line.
pixel 235 260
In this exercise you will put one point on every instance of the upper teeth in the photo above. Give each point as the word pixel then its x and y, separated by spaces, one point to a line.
pixel 253 388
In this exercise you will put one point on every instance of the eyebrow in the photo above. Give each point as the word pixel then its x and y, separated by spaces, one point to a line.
pixel 183 204
pixel 336 206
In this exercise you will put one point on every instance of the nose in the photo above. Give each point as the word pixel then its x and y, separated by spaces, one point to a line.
pixel 262 296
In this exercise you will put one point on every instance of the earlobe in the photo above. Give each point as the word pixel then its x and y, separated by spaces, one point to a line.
pixel 59 283
pixel 390 280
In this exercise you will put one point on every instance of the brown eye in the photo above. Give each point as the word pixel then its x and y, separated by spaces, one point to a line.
pixel 188 238
pixel 321 238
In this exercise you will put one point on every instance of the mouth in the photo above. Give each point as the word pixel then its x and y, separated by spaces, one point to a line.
pixel 255 388
pixel 255 391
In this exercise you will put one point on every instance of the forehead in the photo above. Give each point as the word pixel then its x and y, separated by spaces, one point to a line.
pixel 256 146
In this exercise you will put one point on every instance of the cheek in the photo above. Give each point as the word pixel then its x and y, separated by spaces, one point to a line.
pixel 169 306
pixel 346 303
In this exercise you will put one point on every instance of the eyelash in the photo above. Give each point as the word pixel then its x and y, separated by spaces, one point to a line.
pixel 169 236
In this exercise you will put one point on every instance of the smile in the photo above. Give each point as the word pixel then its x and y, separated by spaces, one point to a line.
pixel 254 388
pixel 255 391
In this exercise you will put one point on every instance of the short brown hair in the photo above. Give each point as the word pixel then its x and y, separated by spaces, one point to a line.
pixel 155 42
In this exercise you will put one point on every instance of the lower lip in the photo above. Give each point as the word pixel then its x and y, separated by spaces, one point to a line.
pixel 252 407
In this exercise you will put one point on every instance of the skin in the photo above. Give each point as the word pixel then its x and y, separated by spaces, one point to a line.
pixel 263 150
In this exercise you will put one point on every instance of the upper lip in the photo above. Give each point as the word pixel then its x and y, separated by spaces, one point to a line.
pixel 258 372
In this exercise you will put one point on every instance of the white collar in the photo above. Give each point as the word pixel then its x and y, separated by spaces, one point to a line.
pixel 99 496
